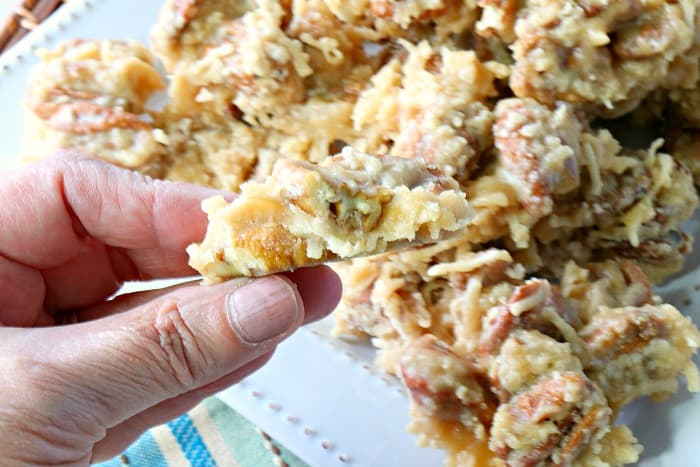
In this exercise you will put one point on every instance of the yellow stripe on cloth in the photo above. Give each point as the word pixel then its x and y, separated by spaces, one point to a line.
pixel 169 447
pixel 211 436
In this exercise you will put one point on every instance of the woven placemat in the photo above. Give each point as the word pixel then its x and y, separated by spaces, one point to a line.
pixel 27 15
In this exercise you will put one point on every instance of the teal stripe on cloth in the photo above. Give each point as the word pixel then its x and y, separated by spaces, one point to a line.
pixel 143 453
pixel 191 443
pixel 246 446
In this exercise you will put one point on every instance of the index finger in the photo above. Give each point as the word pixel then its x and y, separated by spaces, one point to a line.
pixel 50 208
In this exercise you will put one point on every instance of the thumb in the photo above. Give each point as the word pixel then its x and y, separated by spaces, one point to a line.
pixel 121 365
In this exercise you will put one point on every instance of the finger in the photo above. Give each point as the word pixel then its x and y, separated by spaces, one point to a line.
pixel 126 302
pixel 74 197
pixel 97 272
pixel 320 289
pixel 123 435
pixel 86 279
pixel 21 294
pixel 121 365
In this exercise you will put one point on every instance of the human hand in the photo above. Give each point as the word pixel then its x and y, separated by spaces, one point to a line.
pixel 72 230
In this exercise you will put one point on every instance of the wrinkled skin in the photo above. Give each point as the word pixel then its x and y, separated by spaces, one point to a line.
pixel 82 377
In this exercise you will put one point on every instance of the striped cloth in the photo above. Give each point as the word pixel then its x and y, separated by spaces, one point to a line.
pixel 212 434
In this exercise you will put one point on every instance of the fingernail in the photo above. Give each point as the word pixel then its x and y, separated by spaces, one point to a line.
pixel 263 309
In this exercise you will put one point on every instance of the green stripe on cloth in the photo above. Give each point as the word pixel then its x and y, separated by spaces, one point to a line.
pixel 144 452
pixel 247 445
pixel 212 434
pixel 212 437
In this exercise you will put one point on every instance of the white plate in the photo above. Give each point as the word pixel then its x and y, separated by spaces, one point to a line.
pixel 319 397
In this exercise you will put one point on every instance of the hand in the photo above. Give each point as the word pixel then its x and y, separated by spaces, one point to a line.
pixel 72 230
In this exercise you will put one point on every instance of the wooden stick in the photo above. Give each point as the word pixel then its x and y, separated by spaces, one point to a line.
pixel 44 8
pixel 41 10
pixel 12 23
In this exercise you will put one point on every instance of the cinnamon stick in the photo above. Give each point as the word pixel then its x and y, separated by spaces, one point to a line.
pixel 12 23
pixel 23 22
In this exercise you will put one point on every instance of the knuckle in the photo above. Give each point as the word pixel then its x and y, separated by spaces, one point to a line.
pixel 174 347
